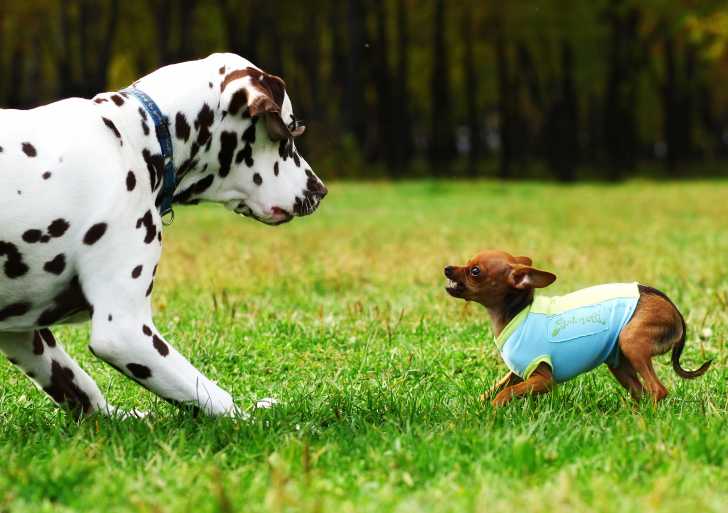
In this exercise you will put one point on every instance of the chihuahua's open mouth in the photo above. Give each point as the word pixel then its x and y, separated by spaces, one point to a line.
pixel 455 288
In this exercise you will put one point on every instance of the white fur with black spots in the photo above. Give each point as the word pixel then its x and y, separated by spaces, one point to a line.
pixel 80 231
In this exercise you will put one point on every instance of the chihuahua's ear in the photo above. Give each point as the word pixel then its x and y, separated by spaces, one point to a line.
pixel 523 260
pixel 526 277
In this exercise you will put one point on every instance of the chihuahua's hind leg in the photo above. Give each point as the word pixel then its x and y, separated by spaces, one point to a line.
pixel 625 374
pixel 655 327
pixel 637 347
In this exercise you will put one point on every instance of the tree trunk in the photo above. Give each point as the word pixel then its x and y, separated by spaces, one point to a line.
pixel 63 64
pixel 339 65
pixel 562 148
pixel 162 28
pixel 595 125
pixel 678 98
pixel 383 83
pixel 274 62
pixel 186 48
pixel 504 104
pixel 402 132
pixel 233 30
pixel 669 105
pixel 107 42
pixel 471 95
pixel 354 101
pixel 442 144
pixel 15 98
pixel 620 122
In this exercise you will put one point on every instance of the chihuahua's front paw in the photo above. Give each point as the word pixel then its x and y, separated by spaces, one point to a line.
pixel 502 399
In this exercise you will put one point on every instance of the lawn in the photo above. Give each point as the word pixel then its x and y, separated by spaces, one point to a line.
pixel 342 316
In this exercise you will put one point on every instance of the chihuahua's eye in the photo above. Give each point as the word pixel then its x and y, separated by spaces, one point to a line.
pixel 475 271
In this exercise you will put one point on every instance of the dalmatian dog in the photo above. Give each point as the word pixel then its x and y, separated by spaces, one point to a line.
pixel 82 183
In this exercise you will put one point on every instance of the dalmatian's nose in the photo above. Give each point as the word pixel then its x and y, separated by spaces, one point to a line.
pixel 315 187
pixel 319 190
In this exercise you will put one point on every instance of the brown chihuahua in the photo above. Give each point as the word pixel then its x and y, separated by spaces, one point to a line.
pixel 548 340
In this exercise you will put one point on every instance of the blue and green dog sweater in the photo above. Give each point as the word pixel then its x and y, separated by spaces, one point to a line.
pixel 572 333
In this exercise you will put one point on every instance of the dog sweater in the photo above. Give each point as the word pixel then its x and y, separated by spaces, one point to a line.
pixel 572 333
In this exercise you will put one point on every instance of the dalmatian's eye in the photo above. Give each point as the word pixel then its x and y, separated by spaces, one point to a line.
pixel 475 271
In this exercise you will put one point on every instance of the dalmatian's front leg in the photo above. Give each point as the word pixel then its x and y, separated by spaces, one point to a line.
pixel 41 357
pixel 133 346
pixel 123 335
pixel 116 273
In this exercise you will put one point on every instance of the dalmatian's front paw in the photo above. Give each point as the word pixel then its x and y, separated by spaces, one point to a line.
pixel 118 413
pixel 265 403
pixel 261 404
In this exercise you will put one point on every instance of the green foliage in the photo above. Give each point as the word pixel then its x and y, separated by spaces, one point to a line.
pixel 343 317
pixel 554 111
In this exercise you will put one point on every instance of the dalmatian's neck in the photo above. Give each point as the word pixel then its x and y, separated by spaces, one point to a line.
pixel 188 94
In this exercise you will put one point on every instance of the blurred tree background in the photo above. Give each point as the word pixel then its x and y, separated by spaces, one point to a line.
pixel 562 89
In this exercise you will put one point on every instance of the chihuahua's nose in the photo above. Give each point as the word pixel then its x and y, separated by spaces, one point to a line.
pixel 449 270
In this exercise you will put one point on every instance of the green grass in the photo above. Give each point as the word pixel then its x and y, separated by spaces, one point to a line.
pixel 342 316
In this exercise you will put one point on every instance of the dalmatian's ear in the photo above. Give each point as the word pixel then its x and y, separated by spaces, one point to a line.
pixel 251 92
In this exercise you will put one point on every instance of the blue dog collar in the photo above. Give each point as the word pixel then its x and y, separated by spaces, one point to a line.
pixel 161 127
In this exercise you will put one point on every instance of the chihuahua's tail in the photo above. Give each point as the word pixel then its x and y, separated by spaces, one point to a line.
pixel 677 350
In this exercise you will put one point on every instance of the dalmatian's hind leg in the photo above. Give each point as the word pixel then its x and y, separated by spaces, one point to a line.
pixel 43 360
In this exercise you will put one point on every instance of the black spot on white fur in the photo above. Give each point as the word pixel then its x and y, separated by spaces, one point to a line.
pixel 38 347
pixel 160 346
pixel 56 265
pixel 68 302
pixel 147 221
pixel 110 124
pixel 228 142
pixel 130 181
pixel 47 337
pixel 200 186
pixel 94 233
pixel 14 310
pixel 14 265
pixel 65 391
pixel 29 149
pixel 155 166
pixel 139 371
pixel 245 154
pixel 249 134
pixel 57 228
pixel 182 127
